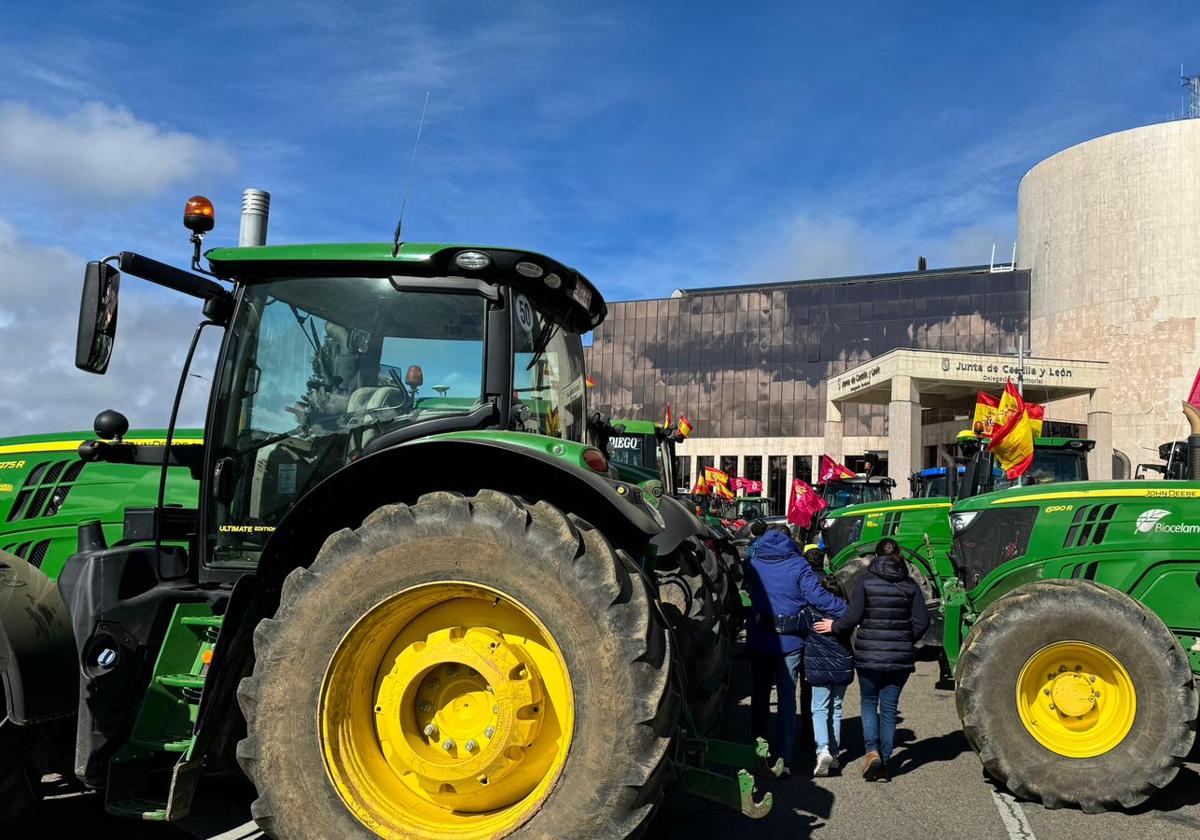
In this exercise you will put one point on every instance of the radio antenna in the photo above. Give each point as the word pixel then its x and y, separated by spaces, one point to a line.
pixel 408 181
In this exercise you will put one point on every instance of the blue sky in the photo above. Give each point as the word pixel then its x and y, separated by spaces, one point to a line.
pixel 651 145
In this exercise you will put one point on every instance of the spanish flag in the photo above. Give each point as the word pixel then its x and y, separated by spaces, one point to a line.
pixel 1012 442
pixel 591 383
pixel 667 418
pixel 718 480
pixel 985 414
pixel 685 427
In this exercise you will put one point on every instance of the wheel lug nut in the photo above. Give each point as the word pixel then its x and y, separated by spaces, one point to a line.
pixel 1092 678
pixel 489 732
pixel 426 706
pixel 448 744
pixel 1046 691
pixel 471 745
pixel 452 669
pixel 1062 668
pixel 430 730
pixel 435 683
pixel 1078 667
pixel 1052 707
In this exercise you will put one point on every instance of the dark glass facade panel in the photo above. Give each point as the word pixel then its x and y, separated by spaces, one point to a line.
pixel 752 467
pixel 777 482
pixel 702 461
pixel 750 362
pixel 802 468
pixel 729 465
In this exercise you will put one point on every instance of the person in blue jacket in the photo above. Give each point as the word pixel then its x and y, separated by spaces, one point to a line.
pixel 829 669
pixel 781 585
pixel 889 611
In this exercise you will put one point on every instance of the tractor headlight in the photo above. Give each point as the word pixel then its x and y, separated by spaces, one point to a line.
pixel 962 520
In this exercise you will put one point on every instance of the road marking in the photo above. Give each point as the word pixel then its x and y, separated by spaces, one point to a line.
pixel 1013 817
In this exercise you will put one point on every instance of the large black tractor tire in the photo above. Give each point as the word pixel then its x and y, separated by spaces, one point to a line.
pixel 25 756
pixel 721 565
pixel 693 610
pixel 599 613
pixel 1028 620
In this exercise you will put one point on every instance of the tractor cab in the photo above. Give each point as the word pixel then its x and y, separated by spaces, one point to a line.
pixel 933 482
pixel 853 491
pixel 639 450
pixel 1174 466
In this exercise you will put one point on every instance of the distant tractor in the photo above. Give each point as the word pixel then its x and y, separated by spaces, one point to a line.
pixel 437 611
pixel 921 525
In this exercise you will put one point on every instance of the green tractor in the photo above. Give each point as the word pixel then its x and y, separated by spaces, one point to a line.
pixel 46 491
pixel 1073 625
pixel 921 525
pixel 434 620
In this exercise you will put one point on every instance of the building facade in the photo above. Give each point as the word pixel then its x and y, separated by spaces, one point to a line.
pixel 748 364
pixel 1108 257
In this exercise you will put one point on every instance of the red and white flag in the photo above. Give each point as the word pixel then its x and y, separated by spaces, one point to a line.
pixel 804 504
pixel 831 470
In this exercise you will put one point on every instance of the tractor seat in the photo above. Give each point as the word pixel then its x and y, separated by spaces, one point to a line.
pixel 365 409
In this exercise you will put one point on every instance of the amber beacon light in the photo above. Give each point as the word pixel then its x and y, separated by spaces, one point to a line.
pixel 198 215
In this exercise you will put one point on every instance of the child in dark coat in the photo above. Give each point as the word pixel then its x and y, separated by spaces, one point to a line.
pixel 829 668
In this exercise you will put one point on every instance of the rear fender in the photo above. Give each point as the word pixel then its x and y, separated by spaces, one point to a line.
pixel 465 465
pixel 679 524
pixel 38 664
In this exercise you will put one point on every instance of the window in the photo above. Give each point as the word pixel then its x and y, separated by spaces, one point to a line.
pixel 802 468
pixel 776 483
pixel 729 465
pixel 316 368
pixel 550 383
pixel 752 467
pixel 683 472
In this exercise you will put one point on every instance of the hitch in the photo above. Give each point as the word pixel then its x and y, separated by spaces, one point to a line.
pixel 736 791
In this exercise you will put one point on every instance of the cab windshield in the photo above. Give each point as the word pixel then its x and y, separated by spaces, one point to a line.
pixel 839 494
pixel 317 368
pixel 1049 466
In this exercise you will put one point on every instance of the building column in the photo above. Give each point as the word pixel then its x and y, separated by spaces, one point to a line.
pixel 1099 420
pixel 904 433
pixel 833 434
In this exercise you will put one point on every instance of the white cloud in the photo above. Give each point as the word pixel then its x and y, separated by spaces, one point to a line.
pixel 40 388
pixel 100 151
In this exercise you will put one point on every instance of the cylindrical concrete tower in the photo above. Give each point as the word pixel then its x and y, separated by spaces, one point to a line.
pixel 1110 230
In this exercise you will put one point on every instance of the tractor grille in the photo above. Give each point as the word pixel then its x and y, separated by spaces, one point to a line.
pixel 46 489
pixel 34 552
pixel 993 539
pixel 1090 525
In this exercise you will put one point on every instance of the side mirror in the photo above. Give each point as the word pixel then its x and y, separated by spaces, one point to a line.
pixel 97 317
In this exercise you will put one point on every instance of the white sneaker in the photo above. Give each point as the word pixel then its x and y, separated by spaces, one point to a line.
pixel 834 765
pixel 825 761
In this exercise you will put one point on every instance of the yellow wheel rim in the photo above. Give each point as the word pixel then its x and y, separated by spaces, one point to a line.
pixel 1076 699
pixel 446 711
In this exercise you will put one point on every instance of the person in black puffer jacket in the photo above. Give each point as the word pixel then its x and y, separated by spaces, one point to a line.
pixel 829 669
pixel 888 609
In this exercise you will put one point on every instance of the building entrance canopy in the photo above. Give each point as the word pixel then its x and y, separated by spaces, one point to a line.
pixel 908 381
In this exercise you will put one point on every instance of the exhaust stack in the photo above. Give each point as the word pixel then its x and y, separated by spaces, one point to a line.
pixel 256 207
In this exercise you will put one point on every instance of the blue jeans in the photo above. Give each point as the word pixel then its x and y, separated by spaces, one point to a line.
pixel 880 697
pixel 781 670
pixel 827 716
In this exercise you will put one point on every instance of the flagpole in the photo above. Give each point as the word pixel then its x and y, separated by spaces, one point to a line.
pixel 1021 382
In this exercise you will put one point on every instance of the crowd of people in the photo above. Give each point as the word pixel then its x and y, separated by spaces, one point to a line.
pixel 806 635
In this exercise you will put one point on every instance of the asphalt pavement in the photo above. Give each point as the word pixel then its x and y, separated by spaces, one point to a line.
pixel 938 791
